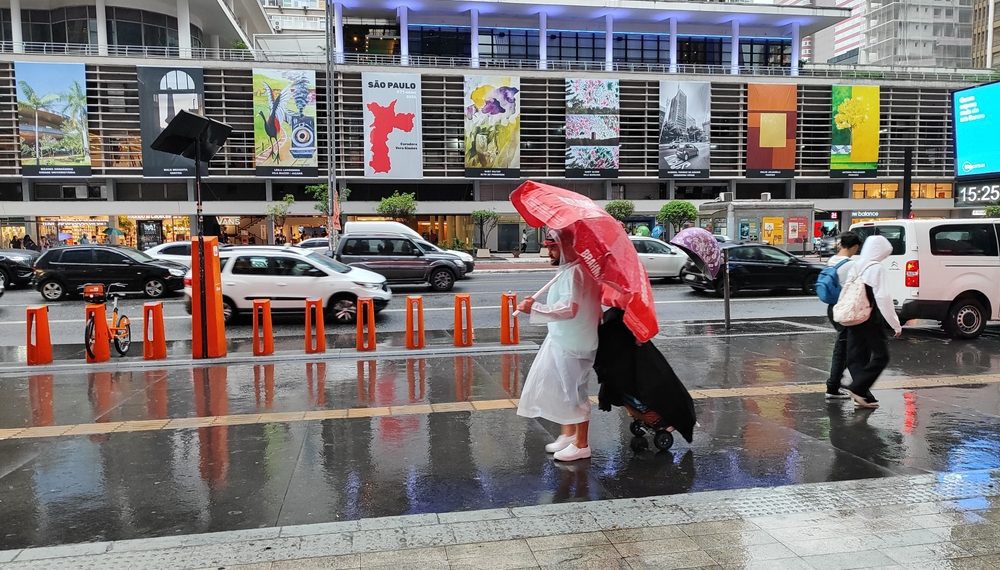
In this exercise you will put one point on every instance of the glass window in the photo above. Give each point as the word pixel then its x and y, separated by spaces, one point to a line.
pixel 657 247
pixel 895 234
pixel 108 257
pixel 394 247
pixel 324 261
pixel 639 245
pixel 967 239
pixel 741 254
pixel 184 249
pixel 77 255
pixel 128 34
pixel 251 265
pixel 359 247
pixel 292 267
pixel 769 254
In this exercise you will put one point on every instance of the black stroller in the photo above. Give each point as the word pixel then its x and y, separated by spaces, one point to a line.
pixel 638 378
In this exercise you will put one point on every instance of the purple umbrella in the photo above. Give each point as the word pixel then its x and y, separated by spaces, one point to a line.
pixel 702 247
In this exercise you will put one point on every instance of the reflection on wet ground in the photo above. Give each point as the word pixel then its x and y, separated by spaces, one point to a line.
pixel 234 447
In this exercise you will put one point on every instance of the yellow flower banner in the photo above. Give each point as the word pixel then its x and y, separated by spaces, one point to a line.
pixel 855 140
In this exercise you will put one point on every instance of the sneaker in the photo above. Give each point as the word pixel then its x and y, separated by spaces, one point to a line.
pixel 572 453
pixel 561 443
pixel 870 398
pixel 862 402
pixel 839 394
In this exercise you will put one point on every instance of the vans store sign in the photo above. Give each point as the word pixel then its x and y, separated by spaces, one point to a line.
pixel 977 194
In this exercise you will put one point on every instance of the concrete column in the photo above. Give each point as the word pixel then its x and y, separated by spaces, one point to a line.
pixel 184 28
pixel 269 190
pixel 213 43
pixel 734 64
pixel 796 41
pixel 404 35
pixel 102 29
pixel 609 43
pixel 474 37
pixel 791 189
pixel 543 40
pixel 338 33
pixel 269 222
pixel 673 45
pixel 991 7
pixel 15 26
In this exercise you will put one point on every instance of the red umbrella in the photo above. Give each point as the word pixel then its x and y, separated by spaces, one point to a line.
pixel 602 245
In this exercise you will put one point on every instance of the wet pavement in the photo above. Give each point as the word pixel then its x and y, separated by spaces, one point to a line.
pixel 100 456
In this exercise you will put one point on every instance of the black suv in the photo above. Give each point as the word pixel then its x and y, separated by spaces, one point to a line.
pixel 15 267
pixel 63 270
pixel 400 260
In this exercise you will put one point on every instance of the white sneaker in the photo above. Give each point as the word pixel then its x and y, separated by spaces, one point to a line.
pixel 572 453
pixel 561 443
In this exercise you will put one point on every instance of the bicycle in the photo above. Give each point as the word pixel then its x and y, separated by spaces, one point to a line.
pixel 119 326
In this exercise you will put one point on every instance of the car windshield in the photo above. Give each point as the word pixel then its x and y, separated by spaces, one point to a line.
pixel 427 247
pixel 322 260
pixel 134 254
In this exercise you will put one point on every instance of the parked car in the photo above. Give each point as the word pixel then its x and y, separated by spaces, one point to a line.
pixel 942 270
pixel 288 276
pixel 398 228
pixel 61 271
pixel 400 259
pixel 322 244
pixel 755 266
pixel 178 252
pixel 16 266
pixel 660 259
pixel 687 151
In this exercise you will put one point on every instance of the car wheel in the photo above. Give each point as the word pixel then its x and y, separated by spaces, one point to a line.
pixel 966 319
pixel 154 288
pixel 442 280
pixel 4 280
pixel 229 311
pixel 52 290
pixel 343 310
pixel 809 285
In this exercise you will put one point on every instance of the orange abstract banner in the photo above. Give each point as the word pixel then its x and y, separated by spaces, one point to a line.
pixel 771 123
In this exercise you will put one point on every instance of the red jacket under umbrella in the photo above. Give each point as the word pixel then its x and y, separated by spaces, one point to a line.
pixel 601 244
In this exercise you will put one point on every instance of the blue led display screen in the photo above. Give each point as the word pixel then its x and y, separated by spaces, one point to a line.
pixel 976 116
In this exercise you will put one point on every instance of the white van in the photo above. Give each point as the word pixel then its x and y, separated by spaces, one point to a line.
pixel 399 228
pixel 942 270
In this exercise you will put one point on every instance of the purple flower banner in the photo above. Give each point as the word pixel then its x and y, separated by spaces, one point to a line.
pixel 592 128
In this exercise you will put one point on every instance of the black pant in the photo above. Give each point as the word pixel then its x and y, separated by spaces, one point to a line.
pixel 867 354
pixel 839 361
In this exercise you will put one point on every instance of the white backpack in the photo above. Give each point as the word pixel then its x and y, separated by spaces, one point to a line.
pixel 852 306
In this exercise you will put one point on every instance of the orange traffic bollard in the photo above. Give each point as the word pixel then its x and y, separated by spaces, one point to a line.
pixel 509 333
pixel 415 311
pixel 315 335
pixel 40 343
pixel 154 339
pixel 463 326
pixel 366 325
pixel 96 317
pixel 263 337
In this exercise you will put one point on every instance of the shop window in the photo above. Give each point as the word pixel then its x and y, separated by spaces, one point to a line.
pixel 11 193
pixel 874 190
pixel 932 190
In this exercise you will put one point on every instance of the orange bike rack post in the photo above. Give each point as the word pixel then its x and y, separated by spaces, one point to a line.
pixel 315 335
pixel 415 311
pixel 154 339
pixel 463 326
pixel 366 325
pixel 263 337
pixel 102 343
pixel 509 333
pixel 40 343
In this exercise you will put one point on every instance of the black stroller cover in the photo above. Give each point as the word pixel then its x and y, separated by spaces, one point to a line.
pixel 642 372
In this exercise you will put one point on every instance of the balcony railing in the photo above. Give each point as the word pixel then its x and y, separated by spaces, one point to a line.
pixel 421 61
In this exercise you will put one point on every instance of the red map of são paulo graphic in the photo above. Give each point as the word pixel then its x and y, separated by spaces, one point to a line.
pixel 384 121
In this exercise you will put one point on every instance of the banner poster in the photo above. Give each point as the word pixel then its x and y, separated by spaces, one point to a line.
pixel 492 126
pixel 284 122
pixel 856 124
pixel 163 91
pixel 798 230
pixel 592 126
pixel 771 124
pixel 52 118
pixel 393 139
pixel 774 231
pixel 685 115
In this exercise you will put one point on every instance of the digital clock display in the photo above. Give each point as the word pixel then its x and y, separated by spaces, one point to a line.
pixel 970 194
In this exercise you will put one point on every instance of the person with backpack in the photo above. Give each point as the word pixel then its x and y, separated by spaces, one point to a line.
pixel 828 287
pixel 863 292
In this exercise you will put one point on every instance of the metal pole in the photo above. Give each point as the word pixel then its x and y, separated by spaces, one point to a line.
pixel 907 181
pixel 331 175
pixel 725 288
pixel 203 311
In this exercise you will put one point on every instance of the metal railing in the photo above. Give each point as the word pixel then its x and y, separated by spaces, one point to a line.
pixel 318 57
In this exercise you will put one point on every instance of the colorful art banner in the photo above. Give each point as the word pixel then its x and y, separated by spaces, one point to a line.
pixel 163 91
pixel 685 114
pixel 771 124
pixel 592 127
pixel 856 124
pixel 52 118
pixel 492 126
pixel 393 137
pixel 284 122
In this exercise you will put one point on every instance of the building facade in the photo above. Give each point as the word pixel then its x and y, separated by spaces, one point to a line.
pixel 985 30
pixel 474 81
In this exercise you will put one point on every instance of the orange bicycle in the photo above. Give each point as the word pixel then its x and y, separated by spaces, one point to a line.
pixel 119 326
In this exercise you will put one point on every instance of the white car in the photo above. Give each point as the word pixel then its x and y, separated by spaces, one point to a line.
pixel 660 259
pixel 321 244
pixel 177 251
pixel 288 276
pixel 403 229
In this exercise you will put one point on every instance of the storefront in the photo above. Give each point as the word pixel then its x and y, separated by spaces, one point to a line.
pixel 826 224
pixel 11 228
pixel 144 232
pixel 454 232
pixel 861 216
pixel 70 230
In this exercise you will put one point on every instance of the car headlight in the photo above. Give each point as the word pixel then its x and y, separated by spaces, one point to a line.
pixel 466 257
pixel 177 272
pixel 369 286
pixel 458 263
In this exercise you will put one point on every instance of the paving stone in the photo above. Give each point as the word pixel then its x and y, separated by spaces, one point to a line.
pixel 82 549
pixel 567 541
pixel 334 544
pixel 733 539
pixel 619 564
pixel 920 552
pixel 781 564
pixel 8 555
pixel 397 538
pixel 320 528
pixel 938 520
pixel 195 539
pixel 467 516
pixel 498 550
pixel 646 533
pixel 398 521
pixel 976 563
pixel 969 532
pixel 528 527
pixel 672 560
pixel 412 556
pixel 717 527
pixel 907 538
pixel 576 554
pixel 980 547
pixel 743 554
pixel 664 546
pixel 506 562
pixel 833 545
pixel 849 560
pixel 345 562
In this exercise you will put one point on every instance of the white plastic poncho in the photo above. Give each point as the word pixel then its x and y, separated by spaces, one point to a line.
pixel 556 386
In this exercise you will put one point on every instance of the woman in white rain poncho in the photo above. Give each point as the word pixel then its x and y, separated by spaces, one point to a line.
pixel 556 386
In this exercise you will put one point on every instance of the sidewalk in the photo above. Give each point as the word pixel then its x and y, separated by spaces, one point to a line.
pixel 925 521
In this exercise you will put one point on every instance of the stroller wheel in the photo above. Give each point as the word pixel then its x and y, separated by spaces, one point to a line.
pixel 639 444
pixel 663 440
pixel 636 428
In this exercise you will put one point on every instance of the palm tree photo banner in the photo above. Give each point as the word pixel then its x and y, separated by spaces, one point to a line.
pixel 52 119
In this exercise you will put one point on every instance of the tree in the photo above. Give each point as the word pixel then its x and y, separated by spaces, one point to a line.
pixel 993 211
pixel 487 221
pixel 32 102
pixel 322 197
pixel 620 209
pixel 676 212
pixel 278 211
pixel 398 206
pixel 75 106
